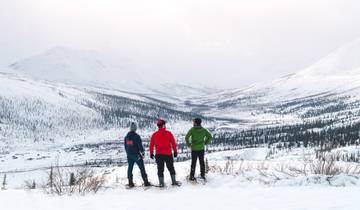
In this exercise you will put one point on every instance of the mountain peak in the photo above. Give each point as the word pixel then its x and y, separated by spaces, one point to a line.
pixel 342 61
pixel 67 51
pixel 62 64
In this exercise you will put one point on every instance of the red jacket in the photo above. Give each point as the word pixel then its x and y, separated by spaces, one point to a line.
pixel 163 141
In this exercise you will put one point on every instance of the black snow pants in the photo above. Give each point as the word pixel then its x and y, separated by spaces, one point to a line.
pixel 161 160
pixel 194 156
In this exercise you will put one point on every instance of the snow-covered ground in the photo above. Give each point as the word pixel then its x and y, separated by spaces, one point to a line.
pixel 242 179
pixel 208 197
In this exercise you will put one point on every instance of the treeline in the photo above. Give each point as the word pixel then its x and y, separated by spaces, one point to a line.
pixel 321 134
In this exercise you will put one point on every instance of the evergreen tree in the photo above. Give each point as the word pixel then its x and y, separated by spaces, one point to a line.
pixel 33 186
pixel 72 180
pixel 4 183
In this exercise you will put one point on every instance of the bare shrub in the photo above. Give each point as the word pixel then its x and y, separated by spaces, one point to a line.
pixel 86 181
pixel 295 171
pixel 351 169
pixel 262 168
pixel 326 165
pixel 30 185
pixel 288 170
pixel 229 167
pixel 83 180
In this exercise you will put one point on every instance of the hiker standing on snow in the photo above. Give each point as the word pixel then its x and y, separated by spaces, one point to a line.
pixel 135 154
pixel 196 138
pixel 164 143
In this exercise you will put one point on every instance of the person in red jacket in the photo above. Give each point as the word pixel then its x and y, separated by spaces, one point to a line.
pixel 164 143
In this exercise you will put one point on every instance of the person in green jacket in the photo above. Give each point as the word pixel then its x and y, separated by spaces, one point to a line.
pixel 196 138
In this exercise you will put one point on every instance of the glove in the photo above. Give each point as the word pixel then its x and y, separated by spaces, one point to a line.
pixel 142 156
pixel 152 156
pixel 175 154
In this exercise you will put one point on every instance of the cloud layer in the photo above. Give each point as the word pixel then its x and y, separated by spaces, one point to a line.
pixel 224 43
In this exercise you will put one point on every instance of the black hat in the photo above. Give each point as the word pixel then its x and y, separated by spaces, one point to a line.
pixel 197 121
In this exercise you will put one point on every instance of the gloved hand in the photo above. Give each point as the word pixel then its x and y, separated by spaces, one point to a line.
pixel 142 156
pixel 152 156
pixel 175 154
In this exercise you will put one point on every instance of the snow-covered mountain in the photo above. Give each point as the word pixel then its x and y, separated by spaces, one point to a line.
pixel 34 110
pixel 42 120
pixel 64 65
pixel 337 72
pixel 52 101
pixel 333 82
pixel 88 68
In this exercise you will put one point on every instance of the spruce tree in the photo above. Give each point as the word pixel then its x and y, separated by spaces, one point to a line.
pixel 4 183
pixel 33 186
pixel 72 180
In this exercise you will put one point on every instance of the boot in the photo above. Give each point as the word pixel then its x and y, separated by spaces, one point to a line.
pixel 192 178
pixel 146 182
pixel 161 182
pixel 131 183
pixel 174 182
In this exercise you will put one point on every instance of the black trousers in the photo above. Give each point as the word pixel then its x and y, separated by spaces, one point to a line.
pixel 194 156
pixel 161 160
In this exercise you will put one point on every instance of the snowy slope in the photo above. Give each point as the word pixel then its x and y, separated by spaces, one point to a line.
pixel 83 67
pixel 65 65
pixel 333 81
pixel 41 121
pixel 337 72
pixel 80 67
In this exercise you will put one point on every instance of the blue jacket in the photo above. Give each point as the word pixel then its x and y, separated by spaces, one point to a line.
pixel 133 144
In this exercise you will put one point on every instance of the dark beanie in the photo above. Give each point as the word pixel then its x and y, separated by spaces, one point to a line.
pixel 197 121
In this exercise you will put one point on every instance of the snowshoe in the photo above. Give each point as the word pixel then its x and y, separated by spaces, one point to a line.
pixel 191 180
pixel 174 182
pixel 160 186
pixel 129 186
pixel 147 184
pixel 177 183
pixel 202 180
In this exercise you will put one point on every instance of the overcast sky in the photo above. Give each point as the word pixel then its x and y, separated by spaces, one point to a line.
pixel 228 43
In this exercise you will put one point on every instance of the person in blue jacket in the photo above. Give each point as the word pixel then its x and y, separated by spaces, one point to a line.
pixel 135 154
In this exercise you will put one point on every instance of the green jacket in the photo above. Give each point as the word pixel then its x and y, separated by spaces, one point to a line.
pixel 197 138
